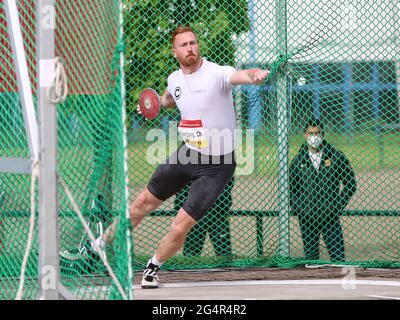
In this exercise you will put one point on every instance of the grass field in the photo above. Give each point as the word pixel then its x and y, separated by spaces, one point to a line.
pixel 365 151
pixel 377 166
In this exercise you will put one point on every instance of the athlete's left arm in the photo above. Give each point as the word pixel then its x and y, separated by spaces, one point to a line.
pixel 167 101
pixel 249 76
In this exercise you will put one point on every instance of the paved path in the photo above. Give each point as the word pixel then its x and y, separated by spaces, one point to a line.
pixel 315 289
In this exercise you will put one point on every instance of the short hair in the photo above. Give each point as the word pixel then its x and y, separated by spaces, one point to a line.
pixel 179 30
pixel 314 122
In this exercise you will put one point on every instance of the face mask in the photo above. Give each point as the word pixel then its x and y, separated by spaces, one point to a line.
pixel 314 141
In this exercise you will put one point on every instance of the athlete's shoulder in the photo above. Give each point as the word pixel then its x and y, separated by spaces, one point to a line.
pixel 210 64
pixel 216 66
pixel 173 75
pixel 173 78
pixel 221 72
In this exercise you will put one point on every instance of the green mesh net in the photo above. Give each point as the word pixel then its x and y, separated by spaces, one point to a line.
pixel 90 151
pixel 335 61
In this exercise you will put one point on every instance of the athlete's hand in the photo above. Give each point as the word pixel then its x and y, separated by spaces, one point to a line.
pixel 140 112
pixel 259 76
pixel 249 76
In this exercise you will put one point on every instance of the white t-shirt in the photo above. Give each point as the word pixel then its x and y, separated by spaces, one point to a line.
pixel 204 99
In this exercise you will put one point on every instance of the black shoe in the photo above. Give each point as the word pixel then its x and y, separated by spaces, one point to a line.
pixel 150 278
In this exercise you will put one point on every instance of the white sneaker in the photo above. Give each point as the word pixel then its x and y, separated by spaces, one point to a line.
pixel 150 278
pixel 79 253
pixel 83 251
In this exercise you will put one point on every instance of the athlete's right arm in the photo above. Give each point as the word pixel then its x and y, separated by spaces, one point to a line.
pixel 167 101
pixel 249 76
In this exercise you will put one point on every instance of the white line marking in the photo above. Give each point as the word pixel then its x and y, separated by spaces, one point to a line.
pixel 274 282
pixel 383 297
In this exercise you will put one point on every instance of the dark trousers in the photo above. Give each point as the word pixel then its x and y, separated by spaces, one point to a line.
pixel 331 230
pixel 219 230
pixel 215 223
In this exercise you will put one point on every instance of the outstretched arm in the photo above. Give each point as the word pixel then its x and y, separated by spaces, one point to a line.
pixel 249 76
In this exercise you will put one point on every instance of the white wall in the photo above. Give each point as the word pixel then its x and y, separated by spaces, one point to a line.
pixel 351 30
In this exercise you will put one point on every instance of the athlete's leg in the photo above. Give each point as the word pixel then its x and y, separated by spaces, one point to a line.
pixel 169 245
pixel 176 236
pixel 145 203
pixel 167 180
pixel 195 239
pixel 207 184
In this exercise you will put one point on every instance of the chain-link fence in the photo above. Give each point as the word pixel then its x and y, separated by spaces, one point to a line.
pixel 335 61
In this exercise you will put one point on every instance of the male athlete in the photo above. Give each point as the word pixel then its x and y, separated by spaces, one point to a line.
pixel 202 91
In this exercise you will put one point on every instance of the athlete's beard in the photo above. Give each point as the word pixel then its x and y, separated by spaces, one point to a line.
pixel 190 61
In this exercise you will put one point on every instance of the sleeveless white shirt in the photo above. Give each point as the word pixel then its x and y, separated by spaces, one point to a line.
pixel 204 99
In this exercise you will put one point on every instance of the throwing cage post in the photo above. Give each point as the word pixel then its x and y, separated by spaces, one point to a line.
pixel 49 262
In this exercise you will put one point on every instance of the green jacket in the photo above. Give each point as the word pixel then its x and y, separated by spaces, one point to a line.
pixel 315 192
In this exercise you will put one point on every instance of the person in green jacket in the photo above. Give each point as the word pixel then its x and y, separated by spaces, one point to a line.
pixel 322 182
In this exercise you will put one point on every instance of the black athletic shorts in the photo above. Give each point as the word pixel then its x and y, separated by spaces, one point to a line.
pixel 208 176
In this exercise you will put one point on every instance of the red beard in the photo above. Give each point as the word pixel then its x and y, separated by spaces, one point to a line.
pixel 189 61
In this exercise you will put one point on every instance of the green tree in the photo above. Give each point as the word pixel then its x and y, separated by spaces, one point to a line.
pixel 147 28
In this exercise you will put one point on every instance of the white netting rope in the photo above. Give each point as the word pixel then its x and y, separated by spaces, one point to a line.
pixel 57 93
pixel 35 175
pixel 92 238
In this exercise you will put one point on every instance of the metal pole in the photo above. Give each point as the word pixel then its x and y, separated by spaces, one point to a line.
pixel 255 107
pixel 49 272
pixel 283 131
pixel 396 29
pixel 125 142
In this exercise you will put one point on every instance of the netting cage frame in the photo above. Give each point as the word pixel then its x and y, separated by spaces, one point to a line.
pixel 41 136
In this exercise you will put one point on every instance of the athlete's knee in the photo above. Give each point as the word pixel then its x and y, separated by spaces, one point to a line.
pixel 182 224
pixel 144 203
pixel 180 229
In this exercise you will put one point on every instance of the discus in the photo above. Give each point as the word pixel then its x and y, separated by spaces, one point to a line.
pixel 149 103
